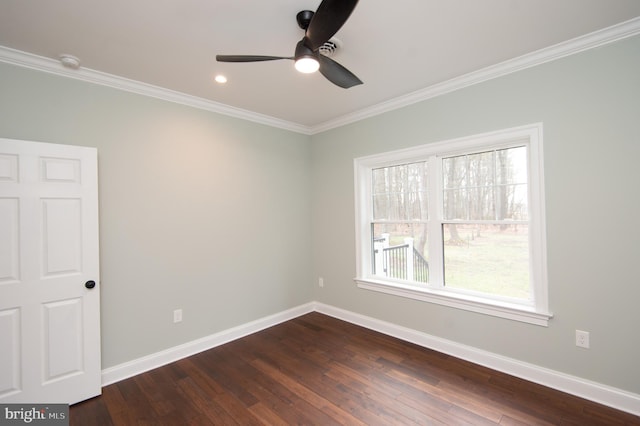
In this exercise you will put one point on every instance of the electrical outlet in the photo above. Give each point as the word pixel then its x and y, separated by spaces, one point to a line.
pixel 321 282
pixel 177 315
pixel 582 339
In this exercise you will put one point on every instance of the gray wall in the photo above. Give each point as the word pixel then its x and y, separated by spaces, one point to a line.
pixel 197 210
pixel 232 221
pixel 590 106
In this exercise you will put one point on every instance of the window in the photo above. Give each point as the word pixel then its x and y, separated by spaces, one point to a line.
pixel 458 223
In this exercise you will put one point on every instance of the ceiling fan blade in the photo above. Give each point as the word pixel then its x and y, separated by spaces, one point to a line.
pixel 336 73
pixel 327 20
pixel 248 58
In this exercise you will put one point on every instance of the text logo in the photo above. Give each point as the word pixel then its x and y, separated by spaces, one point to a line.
pixel 36 414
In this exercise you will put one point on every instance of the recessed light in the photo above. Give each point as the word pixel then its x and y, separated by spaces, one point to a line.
pixel 220 79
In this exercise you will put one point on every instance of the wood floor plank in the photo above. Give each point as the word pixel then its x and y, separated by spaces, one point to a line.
pixel 318 370
pixel 338 414
pixel 377 393
pixel 266 415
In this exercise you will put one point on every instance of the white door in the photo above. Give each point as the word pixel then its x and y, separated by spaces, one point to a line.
pixel 49 315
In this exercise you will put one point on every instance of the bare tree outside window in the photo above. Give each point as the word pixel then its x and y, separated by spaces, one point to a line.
pixel 485 237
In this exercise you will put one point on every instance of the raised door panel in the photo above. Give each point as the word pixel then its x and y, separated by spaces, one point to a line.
pixel 60 170
pixel 63 346
pixel 8 168
pixel 61 236
pixel 10 355
pixel 9 240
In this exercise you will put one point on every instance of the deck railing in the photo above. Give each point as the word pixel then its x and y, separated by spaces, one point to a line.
pixel 401 261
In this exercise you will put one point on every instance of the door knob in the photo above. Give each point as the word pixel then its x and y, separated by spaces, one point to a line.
pixel 90 284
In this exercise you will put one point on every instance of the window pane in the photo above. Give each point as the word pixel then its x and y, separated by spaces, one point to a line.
pixel 489 185
pixel 454 170
pixel 513 202
pixel 469 182
pixel 481 203
pixel 400 192
pixel 400 251
pixel 512 165
pixel 490 259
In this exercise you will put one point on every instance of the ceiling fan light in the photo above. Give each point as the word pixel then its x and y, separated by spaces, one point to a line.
pixel 306 59
pixel 307 65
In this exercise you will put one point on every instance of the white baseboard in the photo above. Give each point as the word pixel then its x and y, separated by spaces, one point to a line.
pixel 137 366
pixel 596 392
pixel 606 395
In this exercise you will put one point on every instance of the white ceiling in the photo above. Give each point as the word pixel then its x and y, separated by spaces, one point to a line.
pixel 396 48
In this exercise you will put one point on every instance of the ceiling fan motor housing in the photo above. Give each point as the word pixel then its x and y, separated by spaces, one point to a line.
pixel 302 50
pixel 303 18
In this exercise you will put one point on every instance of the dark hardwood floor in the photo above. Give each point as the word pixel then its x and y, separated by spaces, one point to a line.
pixel 317 370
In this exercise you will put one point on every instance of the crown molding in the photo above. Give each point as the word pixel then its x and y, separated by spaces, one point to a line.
pixel 579 44
pixel 40 63
pixel 589 41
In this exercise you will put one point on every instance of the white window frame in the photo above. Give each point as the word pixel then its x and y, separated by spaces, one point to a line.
pixel 536 312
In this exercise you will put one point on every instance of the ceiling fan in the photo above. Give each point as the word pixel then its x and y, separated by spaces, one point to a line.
pixel 319 27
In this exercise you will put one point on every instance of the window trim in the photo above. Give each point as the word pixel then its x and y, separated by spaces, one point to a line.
pixel 538 313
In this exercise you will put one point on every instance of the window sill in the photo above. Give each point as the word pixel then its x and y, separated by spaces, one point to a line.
pixel 467 303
